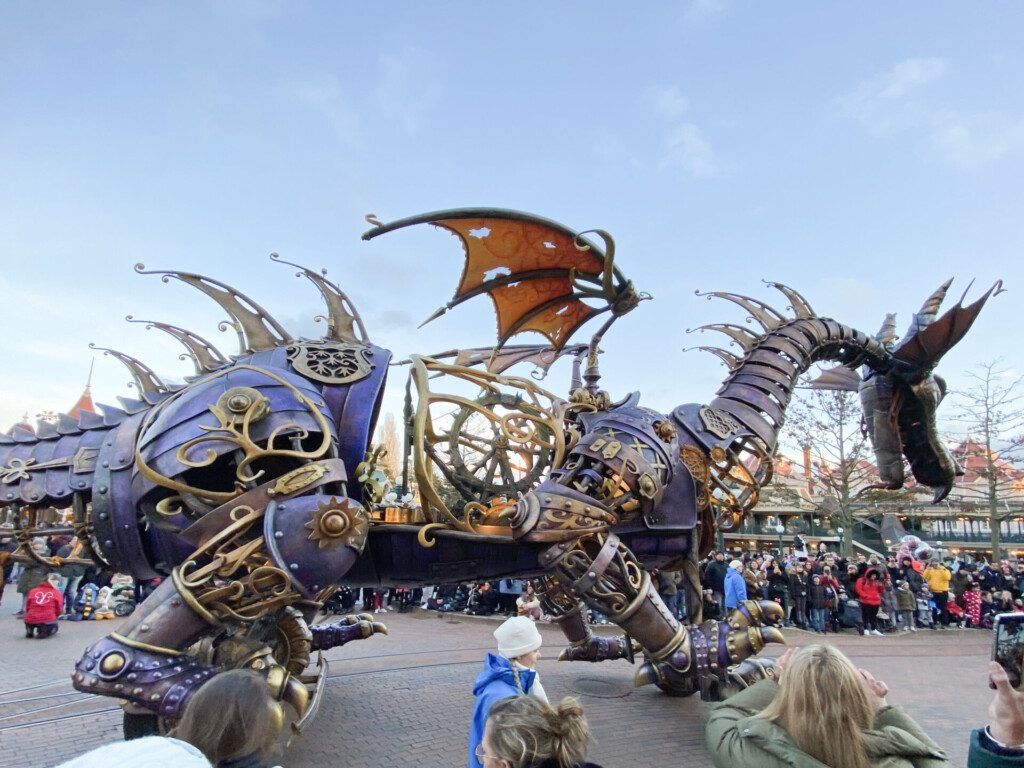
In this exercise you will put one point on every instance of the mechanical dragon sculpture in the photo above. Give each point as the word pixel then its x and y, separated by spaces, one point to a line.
pixel 238 486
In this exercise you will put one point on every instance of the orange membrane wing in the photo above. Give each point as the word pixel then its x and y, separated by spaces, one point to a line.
pixel 525 267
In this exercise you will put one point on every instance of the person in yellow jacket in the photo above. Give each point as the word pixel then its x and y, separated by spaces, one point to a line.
pixel 938 577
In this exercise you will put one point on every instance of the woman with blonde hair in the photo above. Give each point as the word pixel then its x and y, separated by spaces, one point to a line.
pixel 822 712
pixel 232 720
pixel 525 732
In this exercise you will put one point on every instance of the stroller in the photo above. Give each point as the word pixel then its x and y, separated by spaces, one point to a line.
pixel 122 599
pixel 851 615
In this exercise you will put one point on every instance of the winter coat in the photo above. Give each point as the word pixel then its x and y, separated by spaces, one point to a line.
pixel 735 589
pixel 553 763
pixel 31 576
pixel 981 757
pixel 714 575
pixel 736 739
pixel 495 682
pixel 798 584
pixel 821 596
pixel 45 603
pixel 972 606
pixel 906 600
pixel 148 751
pixel 938 578
pixel 961 579
pixel 869 592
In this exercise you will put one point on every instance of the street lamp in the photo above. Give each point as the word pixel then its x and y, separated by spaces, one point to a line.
pixel 842 542
pixel 780 529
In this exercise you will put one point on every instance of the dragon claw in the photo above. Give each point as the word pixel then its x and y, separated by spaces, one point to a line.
pixel 715 653
pixel 346 629
pixel 596 648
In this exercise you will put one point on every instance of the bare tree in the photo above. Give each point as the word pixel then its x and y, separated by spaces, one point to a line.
pixel 988 410
pixel 827 423
pixel 392 445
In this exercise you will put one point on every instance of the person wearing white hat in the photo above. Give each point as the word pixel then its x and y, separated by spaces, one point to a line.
pixel 735 586
pixel 510 672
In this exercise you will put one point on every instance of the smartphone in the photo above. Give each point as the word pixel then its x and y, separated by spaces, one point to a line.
pixel 1008 644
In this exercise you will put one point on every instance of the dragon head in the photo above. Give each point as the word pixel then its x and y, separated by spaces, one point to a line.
pixel 900 403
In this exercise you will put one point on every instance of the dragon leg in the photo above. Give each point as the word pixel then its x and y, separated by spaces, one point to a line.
pixel 680 660
pixel 568 612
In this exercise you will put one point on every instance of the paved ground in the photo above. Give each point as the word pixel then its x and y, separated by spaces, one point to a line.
pixel 405 700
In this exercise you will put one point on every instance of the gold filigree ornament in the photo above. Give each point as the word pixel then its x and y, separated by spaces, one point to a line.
pixel 236 411
pixel 339 521
pixel 530 433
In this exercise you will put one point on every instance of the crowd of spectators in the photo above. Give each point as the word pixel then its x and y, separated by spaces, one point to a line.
pixel 822 592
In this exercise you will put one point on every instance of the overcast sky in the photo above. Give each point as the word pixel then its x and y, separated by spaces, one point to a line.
pixel 861 153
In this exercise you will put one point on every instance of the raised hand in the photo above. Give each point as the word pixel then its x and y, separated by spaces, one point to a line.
pixel 1006 712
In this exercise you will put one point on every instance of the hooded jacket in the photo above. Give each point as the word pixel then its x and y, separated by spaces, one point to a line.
pixel 495 682
pixel 735 589
pixel 870 592
pixel 44 604
pixel 736 739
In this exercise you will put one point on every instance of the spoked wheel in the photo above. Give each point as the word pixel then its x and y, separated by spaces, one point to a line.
pixel 494 449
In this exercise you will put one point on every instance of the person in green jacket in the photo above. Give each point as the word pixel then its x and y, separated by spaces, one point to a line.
pixel 822 713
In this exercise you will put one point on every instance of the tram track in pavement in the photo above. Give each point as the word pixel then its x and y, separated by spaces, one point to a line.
pixel 8 721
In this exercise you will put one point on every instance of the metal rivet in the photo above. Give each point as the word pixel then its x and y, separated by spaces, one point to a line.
pixel 103 489
pixel 108 543
pixel 120 458
pixel 105 464
pixel 131 677
pixel 294 566
pixel 279 534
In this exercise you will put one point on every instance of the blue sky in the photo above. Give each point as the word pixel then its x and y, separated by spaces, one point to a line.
pixel 860 153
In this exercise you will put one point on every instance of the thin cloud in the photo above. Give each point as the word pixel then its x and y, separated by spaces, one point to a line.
pixel 887 104
pixel 688 149
pixel 324 96
pixel 899 102
pixel 666 100
pixel 408 91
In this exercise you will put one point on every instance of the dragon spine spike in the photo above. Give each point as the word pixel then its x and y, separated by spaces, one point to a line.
pixel 204 356
pixel 342 314
pixel 258 329
pixel 145 380
pixel 45 430
pixel 768 317
pixel 66 425
pixel 800 306
pixel 741 335
pixel 730 360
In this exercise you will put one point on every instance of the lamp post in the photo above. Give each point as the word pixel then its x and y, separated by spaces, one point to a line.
pixel 842 542
pixel 780 529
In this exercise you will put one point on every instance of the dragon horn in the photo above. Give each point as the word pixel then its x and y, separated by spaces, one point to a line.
pixel 887 333
pixel 204 356
pixel 342 314
pixel 258 330
pixel 926 315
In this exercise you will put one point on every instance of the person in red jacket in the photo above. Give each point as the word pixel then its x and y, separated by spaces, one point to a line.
pixel 42 607
pixel 869 592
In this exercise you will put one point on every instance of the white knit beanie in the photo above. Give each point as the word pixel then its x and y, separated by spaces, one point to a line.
pixel 517 636
pixel 736 565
